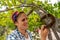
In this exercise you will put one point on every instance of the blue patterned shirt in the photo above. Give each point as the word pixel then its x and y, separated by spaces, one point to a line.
pixel 16 35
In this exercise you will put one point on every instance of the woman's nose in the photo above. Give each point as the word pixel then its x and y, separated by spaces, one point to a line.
pixel 26 20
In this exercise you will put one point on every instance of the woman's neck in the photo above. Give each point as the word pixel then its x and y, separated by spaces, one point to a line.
pixel 23 32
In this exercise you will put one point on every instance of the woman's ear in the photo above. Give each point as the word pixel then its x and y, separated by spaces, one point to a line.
pixel 16 23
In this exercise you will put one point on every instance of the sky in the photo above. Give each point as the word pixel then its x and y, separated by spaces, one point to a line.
pixel 51 1
pixel 54 1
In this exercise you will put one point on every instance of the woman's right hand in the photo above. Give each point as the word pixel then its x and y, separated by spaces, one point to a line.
pixel 44 32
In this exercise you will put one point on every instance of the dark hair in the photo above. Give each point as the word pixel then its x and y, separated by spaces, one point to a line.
pixel 15 15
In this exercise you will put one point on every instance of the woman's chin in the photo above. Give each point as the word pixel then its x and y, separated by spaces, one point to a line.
pixel 25 27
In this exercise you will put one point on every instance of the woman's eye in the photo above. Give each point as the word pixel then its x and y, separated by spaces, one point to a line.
pixel 23 19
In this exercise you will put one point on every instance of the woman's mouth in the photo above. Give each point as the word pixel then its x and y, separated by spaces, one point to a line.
pixel 25 24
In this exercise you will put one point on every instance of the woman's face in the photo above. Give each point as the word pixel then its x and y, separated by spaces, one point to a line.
pixel 22 22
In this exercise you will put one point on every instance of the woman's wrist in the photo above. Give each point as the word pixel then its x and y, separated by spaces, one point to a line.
pixel 43 38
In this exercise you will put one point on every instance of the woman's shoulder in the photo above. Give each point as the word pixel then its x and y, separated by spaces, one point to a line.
pixel 12 35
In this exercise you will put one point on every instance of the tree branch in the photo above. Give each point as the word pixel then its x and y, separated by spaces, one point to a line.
pixel 18 6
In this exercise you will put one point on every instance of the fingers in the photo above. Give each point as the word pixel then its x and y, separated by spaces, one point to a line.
pixel 44 31
pixel 43 27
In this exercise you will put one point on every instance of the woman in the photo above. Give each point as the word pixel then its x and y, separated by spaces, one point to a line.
pixel 21 33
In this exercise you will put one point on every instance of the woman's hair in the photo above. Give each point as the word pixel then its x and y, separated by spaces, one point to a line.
pixel 15 15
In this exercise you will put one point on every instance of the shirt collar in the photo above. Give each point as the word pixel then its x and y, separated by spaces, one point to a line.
pixel 21 36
